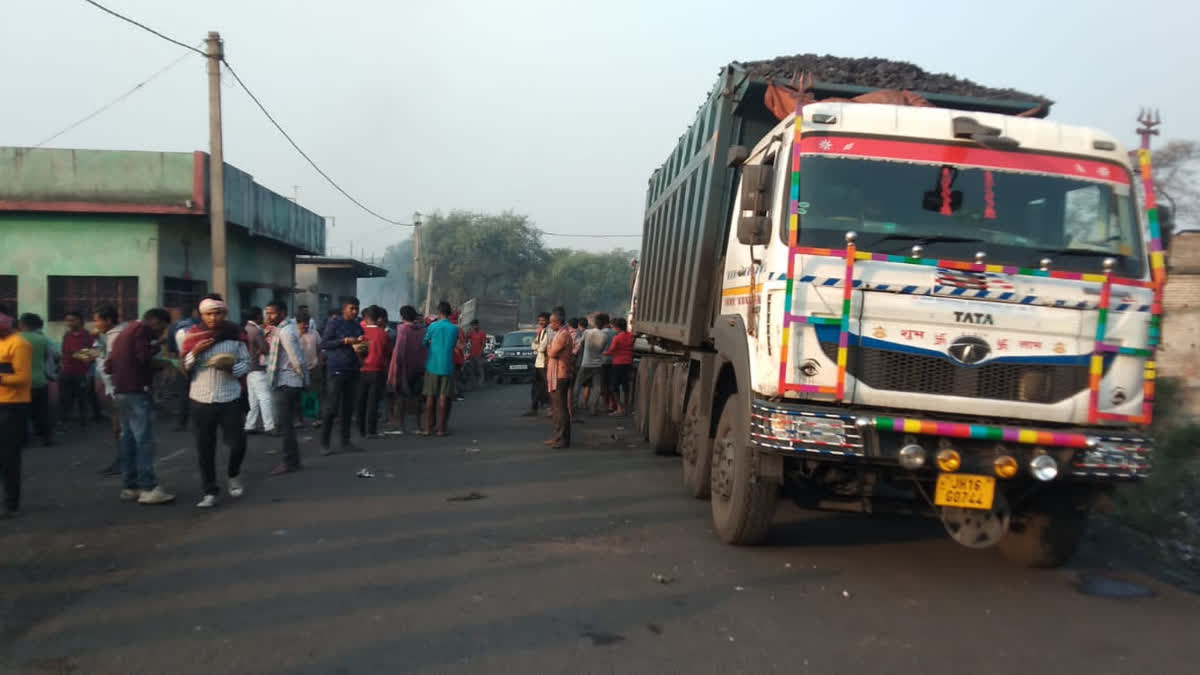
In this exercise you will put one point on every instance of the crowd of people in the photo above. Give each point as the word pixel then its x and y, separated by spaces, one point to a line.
pixel 580 364
pixel 264 373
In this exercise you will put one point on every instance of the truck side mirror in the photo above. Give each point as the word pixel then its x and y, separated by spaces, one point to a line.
pixel 754 227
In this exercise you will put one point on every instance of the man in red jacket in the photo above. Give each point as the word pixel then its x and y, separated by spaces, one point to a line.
pixel 131 368
pixel 374 372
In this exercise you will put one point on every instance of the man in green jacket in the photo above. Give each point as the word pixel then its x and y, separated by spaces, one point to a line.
pixel 39 406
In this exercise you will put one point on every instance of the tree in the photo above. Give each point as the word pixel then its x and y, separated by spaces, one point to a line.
pixel 500 257
pixel 1176 166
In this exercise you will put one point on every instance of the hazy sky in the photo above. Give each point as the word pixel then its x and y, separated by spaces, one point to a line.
pixel 558 109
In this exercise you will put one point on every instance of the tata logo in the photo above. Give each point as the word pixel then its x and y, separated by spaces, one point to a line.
pixel 969 350
pixel 977 318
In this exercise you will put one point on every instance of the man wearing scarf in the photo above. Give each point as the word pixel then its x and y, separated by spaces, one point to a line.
pixel 16 380
pixel 217 359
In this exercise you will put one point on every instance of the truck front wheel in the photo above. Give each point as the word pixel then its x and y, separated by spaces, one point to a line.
pixel 695 448
pixel 1045 535
pixel 743 505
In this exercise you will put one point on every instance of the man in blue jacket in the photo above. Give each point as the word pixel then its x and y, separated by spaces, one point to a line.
pixel 338 339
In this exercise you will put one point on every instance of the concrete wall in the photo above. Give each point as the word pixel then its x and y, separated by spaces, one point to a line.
pixel 185 250
pixel 35 246
pixel 97 176
pixel 1179 357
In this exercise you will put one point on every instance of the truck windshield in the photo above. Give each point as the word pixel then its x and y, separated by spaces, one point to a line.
pixel 953 211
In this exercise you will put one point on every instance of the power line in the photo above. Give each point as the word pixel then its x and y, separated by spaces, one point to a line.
pixel 303 154
pixel 261 107
pixel 143 27
pixel 591 236
pixel 118 99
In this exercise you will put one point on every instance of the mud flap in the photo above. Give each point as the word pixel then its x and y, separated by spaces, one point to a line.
pixel 768 467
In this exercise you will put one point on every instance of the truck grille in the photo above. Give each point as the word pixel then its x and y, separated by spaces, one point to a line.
pixel 917 373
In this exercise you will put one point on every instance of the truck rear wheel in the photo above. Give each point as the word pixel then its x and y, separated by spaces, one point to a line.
pixel 695 449
pixel 1046 535
pixel 743 505
pixel 662 432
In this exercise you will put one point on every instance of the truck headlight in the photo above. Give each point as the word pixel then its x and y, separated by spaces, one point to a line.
pixel 1044 468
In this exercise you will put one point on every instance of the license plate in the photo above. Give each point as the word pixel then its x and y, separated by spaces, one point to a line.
pixel 519 366
pixel 964 490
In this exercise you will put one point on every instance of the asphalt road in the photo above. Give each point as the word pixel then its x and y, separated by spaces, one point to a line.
pixel 558 568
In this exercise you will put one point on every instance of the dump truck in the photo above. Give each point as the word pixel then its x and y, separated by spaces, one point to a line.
pixel 867 288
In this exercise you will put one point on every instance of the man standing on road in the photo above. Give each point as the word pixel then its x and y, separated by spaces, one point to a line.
pixel 107 330
pixel 287 375
pixel 338 338
pixel 216 357
pixel 72 380
pixel 310 344
pixel 16 378
pixel 39 407
pixel 374 375
pixel 538 394
pixel 591 364
pixel 558 379
pixel 406 376
pixel 440 338
pixel 130 365
pixel 257 388
pixel 191 317
pixel 476 339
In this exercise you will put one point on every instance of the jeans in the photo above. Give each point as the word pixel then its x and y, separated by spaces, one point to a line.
pixel 287 403
pixel 137 440
pixel 372 390
pixel 72 393
pixel 562 417
pixel 259 391
pixel 206 419
pixel 340 395
pixel 39 413
pixel 13 420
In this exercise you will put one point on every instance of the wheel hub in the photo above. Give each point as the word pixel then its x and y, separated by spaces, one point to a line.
pixel 976 528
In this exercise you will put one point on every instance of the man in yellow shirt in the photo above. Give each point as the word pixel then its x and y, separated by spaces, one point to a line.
pixel 16 379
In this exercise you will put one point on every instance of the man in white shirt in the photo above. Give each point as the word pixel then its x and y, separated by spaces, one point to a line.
pixel 216 358
pixel 287 375
pixel 539 394
pixel 105 318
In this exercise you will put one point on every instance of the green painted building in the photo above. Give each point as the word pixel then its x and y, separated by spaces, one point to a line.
pixel 83 227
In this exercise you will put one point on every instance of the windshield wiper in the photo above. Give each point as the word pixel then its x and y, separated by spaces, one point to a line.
pixel 1086 252
pixel 929 239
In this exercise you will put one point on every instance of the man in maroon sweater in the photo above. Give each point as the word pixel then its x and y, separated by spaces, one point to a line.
pixel 130 366
pixel 72 378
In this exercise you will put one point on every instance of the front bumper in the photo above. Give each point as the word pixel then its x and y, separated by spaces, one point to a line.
pixel 871 437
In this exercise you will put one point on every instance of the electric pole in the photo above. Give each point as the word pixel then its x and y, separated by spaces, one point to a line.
pixel 416 283
pixel 216 166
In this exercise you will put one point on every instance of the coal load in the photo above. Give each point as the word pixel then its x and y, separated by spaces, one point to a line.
pixel 879 73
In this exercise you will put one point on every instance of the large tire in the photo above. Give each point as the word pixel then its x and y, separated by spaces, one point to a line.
pixel 695 449
pixel 662 433
pixel 743 506
pixel 645 395
pixel 1045 536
